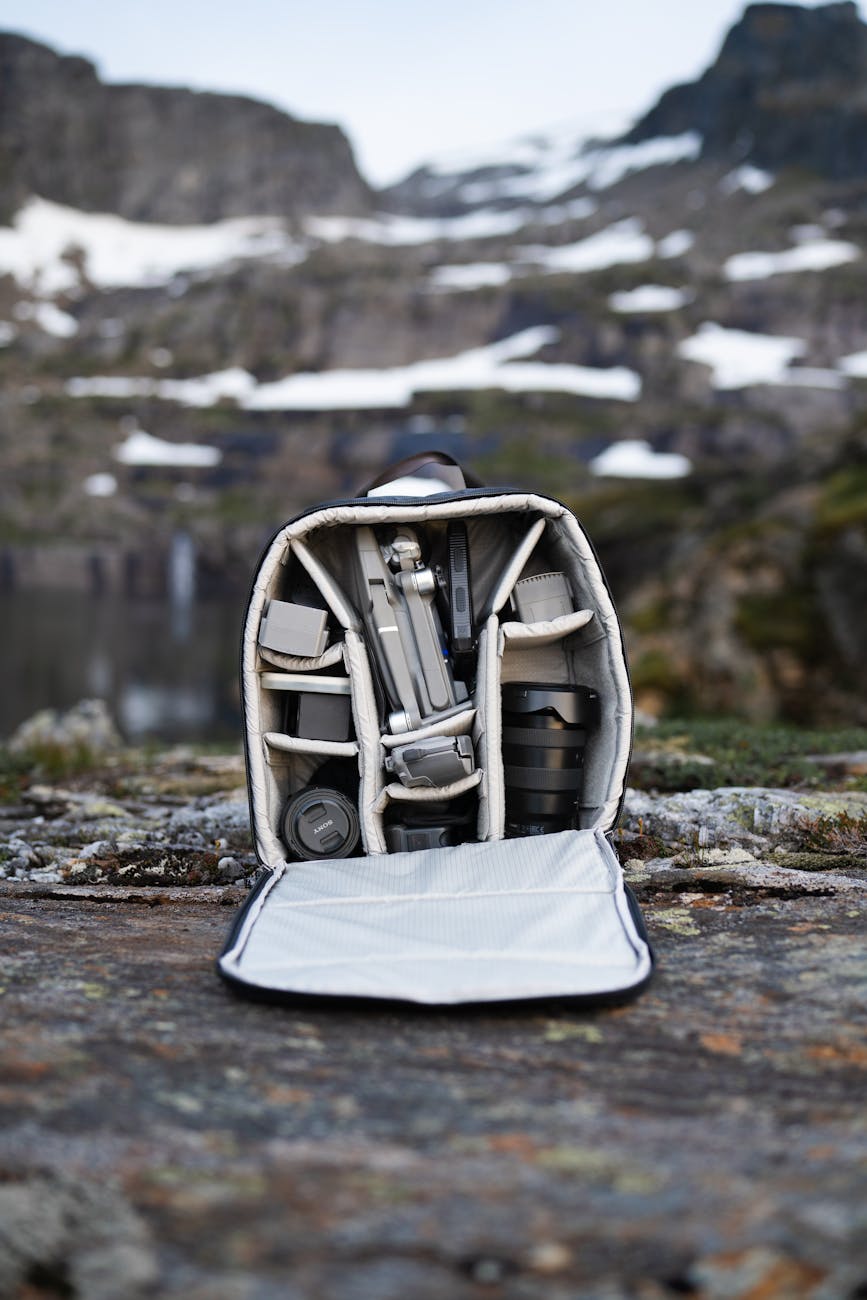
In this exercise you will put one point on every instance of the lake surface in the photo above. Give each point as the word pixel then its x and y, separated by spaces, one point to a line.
pixel 167 669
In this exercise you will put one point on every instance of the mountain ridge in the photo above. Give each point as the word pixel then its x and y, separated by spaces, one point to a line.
pixel 160 153
pixel 786 89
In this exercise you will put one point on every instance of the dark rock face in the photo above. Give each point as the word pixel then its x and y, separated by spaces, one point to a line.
pixel 788 89
pixel 156 153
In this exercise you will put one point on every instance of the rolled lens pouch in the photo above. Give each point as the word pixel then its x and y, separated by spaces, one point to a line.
pixel 545 729
pixel 320 822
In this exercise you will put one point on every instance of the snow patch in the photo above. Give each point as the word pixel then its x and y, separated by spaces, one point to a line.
pixel 649 298
pixel 675 244
pixel 635 458
pixel 141 448
pixel 811 255
pixel 206 390
pixel 392 229
pixel 608 166
pixel 624 242
pixel 100 485
pixel 748 178
pixel 543 174
pixel 855 364
pixel 498 365
pixel 50 248
pixel 48 317
pixel 738 358
pixel 493 366
pixel 471 275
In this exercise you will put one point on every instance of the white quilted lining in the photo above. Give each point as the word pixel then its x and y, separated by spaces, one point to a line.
pixel 541 916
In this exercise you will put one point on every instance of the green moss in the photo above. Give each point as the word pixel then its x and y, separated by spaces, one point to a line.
pixel 786 619
pixel 843 502
pixel 634 509
pixel 655 671
pixel 741 754
pixel 655 616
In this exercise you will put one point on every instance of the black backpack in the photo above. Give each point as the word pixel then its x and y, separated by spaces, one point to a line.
pixel 437 724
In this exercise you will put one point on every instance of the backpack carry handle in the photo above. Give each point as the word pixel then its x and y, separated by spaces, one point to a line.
pixel 453 476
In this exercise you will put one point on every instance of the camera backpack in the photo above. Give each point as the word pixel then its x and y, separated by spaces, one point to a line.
pixel 435 827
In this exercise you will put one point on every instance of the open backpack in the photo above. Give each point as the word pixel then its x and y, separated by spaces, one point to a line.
pixel 437 724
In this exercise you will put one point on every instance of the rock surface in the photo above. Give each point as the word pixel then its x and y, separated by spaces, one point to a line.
pixel 156 153
pixel 86 729
pixel 708 1139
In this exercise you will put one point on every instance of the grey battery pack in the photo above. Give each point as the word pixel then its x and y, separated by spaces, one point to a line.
pixel 293 629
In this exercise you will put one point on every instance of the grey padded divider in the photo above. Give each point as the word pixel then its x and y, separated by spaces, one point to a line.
pixel 331 655
pixel 334 594
pixel 539 634
pixel 513 570
pixel 428 793
pixel 542 916
pixel 488 734
pixel 298 745
pixel 366 715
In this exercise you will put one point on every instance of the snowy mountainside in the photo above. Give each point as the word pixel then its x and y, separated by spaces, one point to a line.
pixel 672 335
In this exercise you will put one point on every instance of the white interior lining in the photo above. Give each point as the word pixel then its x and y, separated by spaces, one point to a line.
pixel 540 916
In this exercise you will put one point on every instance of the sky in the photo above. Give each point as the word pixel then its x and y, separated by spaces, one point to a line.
pixel 407 79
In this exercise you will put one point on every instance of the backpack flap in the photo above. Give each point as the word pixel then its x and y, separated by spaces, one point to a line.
pixel 490 919
pixel 542 916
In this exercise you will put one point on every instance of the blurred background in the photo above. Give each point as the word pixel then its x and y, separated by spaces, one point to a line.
pixel 251 254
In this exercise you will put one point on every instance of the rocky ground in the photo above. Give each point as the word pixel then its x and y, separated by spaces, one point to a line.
pixel 162 1136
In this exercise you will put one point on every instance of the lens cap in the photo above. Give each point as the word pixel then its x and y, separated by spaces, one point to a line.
pixel 321 823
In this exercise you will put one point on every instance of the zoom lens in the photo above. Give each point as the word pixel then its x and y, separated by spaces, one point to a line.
pixel 545 729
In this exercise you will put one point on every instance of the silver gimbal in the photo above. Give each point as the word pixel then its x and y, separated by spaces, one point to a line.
pixel 408 645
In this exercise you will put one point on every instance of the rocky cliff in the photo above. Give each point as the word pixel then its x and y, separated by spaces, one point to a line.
pixel 156 153
pixel 789 89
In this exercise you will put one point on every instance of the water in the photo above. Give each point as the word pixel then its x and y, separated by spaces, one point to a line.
pixel 168 669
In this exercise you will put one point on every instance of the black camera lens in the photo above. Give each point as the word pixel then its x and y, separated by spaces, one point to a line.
pixel 545 729
pixel 319 822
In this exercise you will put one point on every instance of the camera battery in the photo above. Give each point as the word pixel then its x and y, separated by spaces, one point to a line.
pixel 323 717
pixel 294 629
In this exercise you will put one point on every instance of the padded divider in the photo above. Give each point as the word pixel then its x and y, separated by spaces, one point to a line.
pixel 340 606
pixel 332 654
pixel 301 745
pixel 366 715
pixel 515 567
pixel 488 732
pixel 539 634
pixel 427 793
